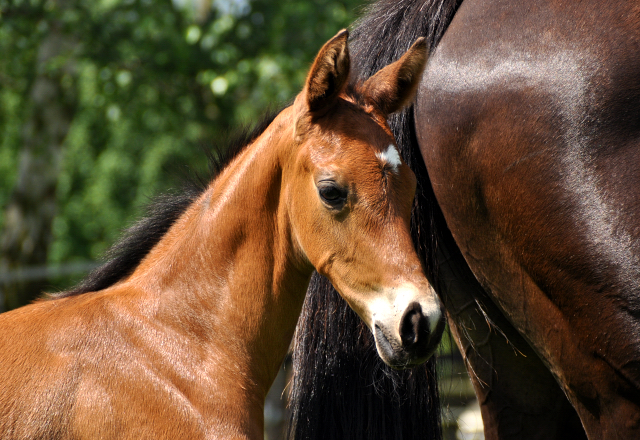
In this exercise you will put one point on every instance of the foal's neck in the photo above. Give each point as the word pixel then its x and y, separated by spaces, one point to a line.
pixel 226 274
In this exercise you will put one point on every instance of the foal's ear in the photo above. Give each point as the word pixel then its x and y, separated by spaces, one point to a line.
pixel 329 73
pixel 394 86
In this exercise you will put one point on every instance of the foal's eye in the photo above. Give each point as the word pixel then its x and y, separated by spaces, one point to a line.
pixel 332 194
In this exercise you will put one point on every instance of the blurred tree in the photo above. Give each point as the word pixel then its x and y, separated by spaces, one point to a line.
pixel 98 98
pixel 31 206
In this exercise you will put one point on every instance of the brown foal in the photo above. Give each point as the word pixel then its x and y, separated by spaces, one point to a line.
pixel 187 343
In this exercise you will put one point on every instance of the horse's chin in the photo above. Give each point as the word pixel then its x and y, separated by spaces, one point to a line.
pixel 398 357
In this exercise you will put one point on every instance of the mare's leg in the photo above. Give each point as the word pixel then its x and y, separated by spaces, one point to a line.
pixel 518 396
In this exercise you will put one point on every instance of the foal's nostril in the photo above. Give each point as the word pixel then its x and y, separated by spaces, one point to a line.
pixel 414 326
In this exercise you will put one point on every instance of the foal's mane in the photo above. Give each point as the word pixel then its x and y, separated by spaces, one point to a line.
pixel 136 242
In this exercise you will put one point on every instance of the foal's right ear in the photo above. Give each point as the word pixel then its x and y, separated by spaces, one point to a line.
pixel 394 86
pixel 329 73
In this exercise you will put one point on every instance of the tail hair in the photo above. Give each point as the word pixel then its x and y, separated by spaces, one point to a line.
pixel 343 390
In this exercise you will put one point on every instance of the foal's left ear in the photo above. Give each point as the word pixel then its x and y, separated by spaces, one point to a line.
pixel 394 86
pixel 329 73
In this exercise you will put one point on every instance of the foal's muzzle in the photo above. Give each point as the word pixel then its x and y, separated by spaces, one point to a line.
pixel 414 341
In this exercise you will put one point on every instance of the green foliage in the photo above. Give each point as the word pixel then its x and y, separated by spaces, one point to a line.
pixel 149 82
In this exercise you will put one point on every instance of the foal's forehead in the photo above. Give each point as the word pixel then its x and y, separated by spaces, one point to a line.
pixel 356 133
pixel 390 158
pixel 359 158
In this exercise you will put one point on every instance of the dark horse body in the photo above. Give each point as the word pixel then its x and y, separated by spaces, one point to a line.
pixel 528 122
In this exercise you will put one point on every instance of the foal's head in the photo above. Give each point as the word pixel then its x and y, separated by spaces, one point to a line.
pixel 350 197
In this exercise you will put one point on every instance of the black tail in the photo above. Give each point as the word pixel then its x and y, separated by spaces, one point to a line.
pixel 341 390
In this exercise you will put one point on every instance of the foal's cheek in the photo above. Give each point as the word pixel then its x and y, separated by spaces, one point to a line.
pixel 307 230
